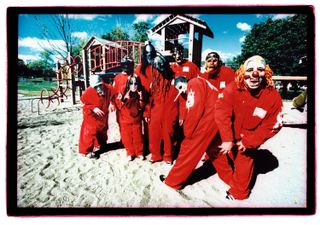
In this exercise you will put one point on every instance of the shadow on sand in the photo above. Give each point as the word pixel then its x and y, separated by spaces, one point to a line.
pixel 265 162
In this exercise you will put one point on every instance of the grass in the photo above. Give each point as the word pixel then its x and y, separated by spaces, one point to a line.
pixel 33 87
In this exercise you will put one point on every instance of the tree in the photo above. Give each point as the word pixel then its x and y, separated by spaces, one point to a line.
pixel 141 29
pixel 22 69
pixel 62 31
pixel 281 42
pixel 116 34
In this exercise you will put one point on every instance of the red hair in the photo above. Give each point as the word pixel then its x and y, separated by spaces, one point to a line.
pixel 267 79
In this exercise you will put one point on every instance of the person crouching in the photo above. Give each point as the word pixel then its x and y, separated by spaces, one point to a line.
pixel 95 102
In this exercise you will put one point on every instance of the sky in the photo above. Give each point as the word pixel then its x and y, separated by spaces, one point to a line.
pixel 229 30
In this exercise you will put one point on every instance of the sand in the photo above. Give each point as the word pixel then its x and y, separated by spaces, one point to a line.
pixel 51 172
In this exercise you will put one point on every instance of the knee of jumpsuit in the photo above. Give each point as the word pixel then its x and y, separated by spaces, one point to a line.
pixel 240 182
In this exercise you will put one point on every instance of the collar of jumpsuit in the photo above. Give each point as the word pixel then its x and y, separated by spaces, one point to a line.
pixel 254 72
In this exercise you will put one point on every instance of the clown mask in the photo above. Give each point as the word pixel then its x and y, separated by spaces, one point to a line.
pixel 254 72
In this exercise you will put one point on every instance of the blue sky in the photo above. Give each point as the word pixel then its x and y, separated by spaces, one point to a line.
pixel 229 30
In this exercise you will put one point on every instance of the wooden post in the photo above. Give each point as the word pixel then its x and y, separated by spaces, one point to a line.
pixel 191 43
pixel 73 86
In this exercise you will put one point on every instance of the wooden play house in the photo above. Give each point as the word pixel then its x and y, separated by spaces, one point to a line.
pixel 185 29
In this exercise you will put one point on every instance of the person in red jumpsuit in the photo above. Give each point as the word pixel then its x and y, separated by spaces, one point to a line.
pixel 199 128
pixel 144 71
pixel 129 103
pixel 161 112
pixel 181 67
pixel 95 102
pixel 218 75
pixel 248 114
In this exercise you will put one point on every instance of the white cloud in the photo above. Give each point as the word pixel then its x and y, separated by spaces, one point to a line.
pixel 27 58
pixel 243 26
pixel 156 41
pixel 39 44
pixel 143 18
pixel 89 17
pixel 281 16
pixel 80 35
pixel 242 39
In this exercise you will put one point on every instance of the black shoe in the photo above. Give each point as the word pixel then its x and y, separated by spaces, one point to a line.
pixel 229 196
pixel 162 177
pixel 154 161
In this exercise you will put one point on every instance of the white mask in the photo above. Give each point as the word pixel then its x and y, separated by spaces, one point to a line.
pixel 254 71
pixel 133 85
pixel 182 88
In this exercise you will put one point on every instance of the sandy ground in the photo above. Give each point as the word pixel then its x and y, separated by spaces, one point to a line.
pixel 51 173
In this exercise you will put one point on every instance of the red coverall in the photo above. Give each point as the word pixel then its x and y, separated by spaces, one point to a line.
pixel 162 111
pixel 199 129
pixel 224 76
pixel 220 80
pixel 94 129
pixel 256 119
pixel 189 70
pixel 130 116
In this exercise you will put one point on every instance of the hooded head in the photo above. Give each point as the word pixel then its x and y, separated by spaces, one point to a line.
pixel 97 83
pixel 177 53
pixel 213 62
pixel 127 65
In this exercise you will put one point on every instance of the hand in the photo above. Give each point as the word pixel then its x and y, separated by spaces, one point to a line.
pixel 181 122
pixel 226 147
pixel 98 112
pixel 241 146
pixel 112 108
pixel 147 119
pixel 127 95
pixel 140 95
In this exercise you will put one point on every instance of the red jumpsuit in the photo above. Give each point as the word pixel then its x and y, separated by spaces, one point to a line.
pixel 220 80
pixel 94 129
pixel 130 117
pixel 199 129
pixel 252 119
pixel 189 70
pixel 162 111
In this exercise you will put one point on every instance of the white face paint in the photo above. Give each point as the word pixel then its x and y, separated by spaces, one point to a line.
pixel 254 72
pixel 133 85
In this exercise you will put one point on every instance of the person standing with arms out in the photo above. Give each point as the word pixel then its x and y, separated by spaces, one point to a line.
pixel 248 114
pixel 95 102
pixel 199 128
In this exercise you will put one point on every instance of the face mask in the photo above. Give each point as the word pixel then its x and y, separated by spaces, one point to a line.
pixel 254 72
pixel 182 88
pixel 99 89
pixel 133 85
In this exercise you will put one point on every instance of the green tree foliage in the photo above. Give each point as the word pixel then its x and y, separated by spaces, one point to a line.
pixel 22 68
pixel 141 29
pixel 116 34
pixel 281 42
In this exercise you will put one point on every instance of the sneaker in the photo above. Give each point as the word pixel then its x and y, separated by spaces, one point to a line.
pixel 129 158
pixel 92 155
pixel 229 196
pixel 162 178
